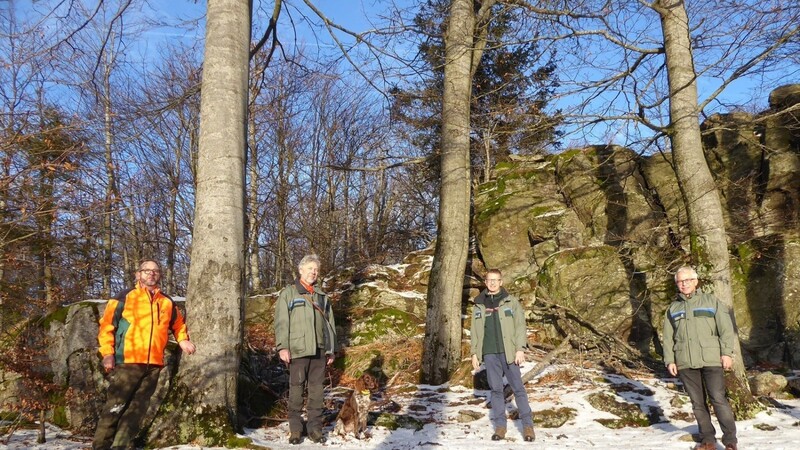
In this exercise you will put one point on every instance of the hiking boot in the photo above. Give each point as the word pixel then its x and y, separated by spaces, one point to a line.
pixel 499 434
pixel 316 436
pixel 706 446
pixel 731 446
pixel 528 434
pixel 294 437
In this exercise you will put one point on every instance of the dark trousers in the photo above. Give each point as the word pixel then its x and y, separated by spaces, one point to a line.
pixel 128 397
pixel 496 367
pixel 709 381
pixel 306 373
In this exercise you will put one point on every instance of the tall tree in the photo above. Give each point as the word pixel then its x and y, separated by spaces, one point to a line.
pixel 464 41
pixel 709 242
pixel 208 383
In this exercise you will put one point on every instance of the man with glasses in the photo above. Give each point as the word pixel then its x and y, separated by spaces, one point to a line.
pixel 134 332
pixel 498 339
pixel 698 347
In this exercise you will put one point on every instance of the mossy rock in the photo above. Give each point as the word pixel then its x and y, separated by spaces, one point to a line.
pixel 554 417
pixel 630 415
pixel 593 282
pixel 394 421
pixel 384 325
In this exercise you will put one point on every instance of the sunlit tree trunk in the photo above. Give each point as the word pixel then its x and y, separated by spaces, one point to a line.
pixel 253 222
pixel 709 244
pixel 111 180
pixel 203 398
pixel 442 346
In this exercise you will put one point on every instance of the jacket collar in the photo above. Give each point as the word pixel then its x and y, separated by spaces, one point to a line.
pixel 303 291
pixel 481 298
pixel 156 291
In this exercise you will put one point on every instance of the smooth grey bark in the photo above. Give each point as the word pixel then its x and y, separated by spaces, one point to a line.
pixel 203 401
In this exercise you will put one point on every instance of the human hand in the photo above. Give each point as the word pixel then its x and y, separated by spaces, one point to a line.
pixel 475 363
pixel 672 369
pixel 519 357
pixel 187 346
pixel 108 363
pixel 331 357
pixel 727 362
pixel 285 355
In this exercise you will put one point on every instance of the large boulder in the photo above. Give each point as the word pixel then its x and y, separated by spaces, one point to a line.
pixel 72 363
pixel 593 282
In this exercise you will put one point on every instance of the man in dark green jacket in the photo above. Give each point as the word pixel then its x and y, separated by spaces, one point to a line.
pixel 698 347
pixel 305 337
pixel 498 339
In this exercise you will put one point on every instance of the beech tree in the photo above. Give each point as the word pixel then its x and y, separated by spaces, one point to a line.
pixel 205 388
pixel 464 43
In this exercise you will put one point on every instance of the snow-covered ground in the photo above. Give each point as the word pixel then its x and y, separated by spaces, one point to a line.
pixel 439 407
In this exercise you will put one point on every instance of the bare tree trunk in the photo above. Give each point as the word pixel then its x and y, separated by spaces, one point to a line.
pixel 253 222
pixel 111 180
pixel 709 244
pixel 203 400
pixel 442 346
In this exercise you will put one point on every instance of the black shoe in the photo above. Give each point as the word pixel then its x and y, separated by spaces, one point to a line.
pixel 294 438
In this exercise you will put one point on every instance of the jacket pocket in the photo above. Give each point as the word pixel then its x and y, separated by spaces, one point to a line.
pixel 711 352
pixel 297 344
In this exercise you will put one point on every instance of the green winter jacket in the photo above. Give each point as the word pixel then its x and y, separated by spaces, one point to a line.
pixel 512 325
pixel 697 331
pixel 299 326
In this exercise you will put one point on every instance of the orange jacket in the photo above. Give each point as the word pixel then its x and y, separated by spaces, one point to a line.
pixel 135 327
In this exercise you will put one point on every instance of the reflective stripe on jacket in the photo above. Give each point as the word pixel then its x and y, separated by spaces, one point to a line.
pixel 135 327
pixel 697 331
pixel 512 326
pixel 297 321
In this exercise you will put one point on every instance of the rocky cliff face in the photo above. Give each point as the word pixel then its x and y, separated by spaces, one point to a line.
pixel 601 229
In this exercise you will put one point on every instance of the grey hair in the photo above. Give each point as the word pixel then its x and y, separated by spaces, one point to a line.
pixel 310 258
pixel 147 260
pixel 686 269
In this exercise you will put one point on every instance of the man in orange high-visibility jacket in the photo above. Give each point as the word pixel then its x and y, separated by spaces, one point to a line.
pixel 134 332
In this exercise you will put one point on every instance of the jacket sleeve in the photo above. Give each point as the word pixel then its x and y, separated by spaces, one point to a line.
pixel 332 324
pixel 669 340
pixel 281 320
pixel 520 329
pixel 473 341
pixel 725 329
pixel 179 329
pixel 105 335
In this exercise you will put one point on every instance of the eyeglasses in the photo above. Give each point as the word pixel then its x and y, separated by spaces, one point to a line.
pixel 686 281
pixel 492 280
pixel 150 271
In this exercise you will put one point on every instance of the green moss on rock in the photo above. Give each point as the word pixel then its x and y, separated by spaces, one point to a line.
pixel 394 421
pixel 629 414
pixel 554 418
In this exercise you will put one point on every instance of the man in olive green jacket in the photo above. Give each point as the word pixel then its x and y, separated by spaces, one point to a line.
pixel 698 347
pixel 498 339
pixel 305 337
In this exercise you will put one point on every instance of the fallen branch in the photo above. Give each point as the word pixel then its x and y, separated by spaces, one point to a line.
pixel 547 360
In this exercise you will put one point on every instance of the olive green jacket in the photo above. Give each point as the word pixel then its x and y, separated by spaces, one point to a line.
pixel 512 325
pixel 299 326
pixel 698 330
